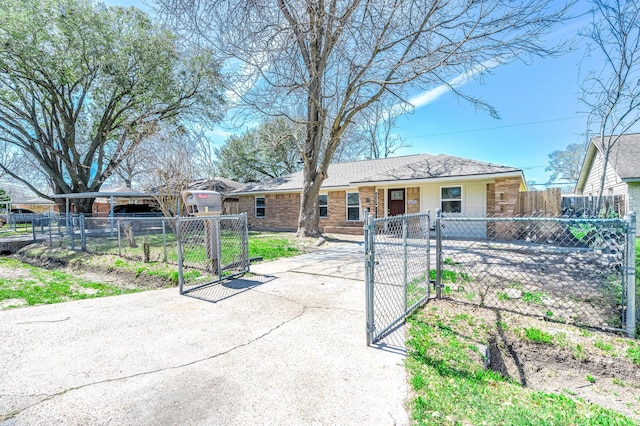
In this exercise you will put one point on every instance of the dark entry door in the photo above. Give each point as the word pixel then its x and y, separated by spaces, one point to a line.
pixel 396 202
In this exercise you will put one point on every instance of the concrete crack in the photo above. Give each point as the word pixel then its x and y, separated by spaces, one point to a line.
pixel 46 321
pixel 329 308
pixel 14 413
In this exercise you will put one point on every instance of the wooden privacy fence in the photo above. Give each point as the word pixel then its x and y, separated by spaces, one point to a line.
pixel 546 203
pixel 551 203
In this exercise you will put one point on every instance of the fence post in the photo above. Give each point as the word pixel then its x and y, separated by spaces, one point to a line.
pixel 164 241
pixel 368 274
pixel 630 272
pixel 245 240
pixel 179 246
pixel 438 254
pixel 404 259
pixel 83 235
pixel 119 240
pixel 72 234
pixel 428 228
pixel 33 230
pixel 218 248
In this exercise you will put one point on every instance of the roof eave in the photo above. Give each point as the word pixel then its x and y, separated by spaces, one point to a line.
pixel 586 166
pixel 481 176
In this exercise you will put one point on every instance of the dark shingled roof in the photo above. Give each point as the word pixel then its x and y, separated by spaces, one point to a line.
pixel 625 156
pixel 410 167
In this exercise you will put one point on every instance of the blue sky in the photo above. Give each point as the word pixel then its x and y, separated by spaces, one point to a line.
pixel 538 105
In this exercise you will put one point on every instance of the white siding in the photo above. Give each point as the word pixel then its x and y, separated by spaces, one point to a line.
pixel 474 199
pixel 612 180
pixel 633 202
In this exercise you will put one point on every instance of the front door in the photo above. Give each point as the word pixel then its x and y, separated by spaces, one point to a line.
pixel 396 202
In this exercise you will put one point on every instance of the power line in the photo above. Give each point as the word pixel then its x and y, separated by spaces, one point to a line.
pixel 497 127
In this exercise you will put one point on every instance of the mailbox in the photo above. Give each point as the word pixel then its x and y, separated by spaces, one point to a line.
pixel 202 203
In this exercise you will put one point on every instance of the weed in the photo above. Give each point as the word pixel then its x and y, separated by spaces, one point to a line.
pixel 579 353
pixel 590 378
pixel 538 336
pixel 585 333
pixel 618 382
pixel 503 297
pixel 502 325
pixel 533 297
pixel 633 352
pixel 602 345
pixel 516 285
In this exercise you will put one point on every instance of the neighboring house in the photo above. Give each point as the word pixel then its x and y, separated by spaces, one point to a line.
pixel 622 173
pixel 387 187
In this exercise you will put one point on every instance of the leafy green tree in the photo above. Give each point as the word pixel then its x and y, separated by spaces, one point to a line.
pixel 268 151
pixel 4 197
pixel 82 84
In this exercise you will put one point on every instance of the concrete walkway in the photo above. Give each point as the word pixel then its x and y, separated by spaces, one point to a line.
pixel 286 347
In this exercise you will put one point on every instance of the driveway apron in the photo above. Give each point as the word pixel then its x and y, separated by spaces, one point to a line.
pixel 283 345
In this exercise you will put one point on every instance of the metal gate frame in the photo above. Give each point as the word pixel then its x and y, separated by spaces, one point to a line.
pixel 226 257
pixel 387 241
pixel 390 253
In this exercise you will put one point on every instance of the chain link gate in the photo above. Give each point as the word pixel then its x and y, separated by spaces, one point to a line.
pixel 211 249
pixel 574 271
pixel 397 270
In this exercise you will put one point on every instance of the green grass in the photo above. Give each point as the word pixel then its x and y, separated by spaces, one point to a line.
pixel 633 352
pixel 536 335
pixel 451 387
pixel 272 248
pixel 40 286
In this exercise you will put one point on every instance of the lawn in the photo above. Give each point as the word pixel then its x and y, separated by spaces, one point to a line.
pixel 22 284
pixel 446 346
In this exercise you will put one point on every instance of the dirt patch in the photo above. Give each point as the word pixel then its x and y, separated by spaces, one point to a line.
pixel 97 268
pixel 588 364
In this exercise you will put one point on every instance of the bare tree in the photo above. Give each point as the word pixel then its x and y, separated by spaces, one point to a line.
pixel 336 59
pixel 167 167
pixel 612 93
pixel 377 129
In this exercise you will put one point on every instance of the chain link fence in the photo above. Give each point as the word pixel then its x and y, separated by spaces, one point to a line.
pixel 397 270
pixel 211 249
pixel 146 239
pixel 576 271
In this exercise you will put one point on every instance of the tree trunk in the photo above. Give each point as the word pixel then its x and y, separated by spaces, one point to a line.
pixel 309 220
pixel 83 206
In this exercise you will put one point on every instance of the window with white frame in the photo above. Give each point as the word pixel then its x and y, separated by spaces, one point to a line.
pixel 323 203
pixel 353 206
pixel 260 207
pixel 451 199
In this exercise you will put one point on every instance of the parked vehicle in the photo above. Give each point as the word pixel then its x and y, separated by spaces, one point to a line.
pixel 141 212
pixel 20 215
pixel 137 210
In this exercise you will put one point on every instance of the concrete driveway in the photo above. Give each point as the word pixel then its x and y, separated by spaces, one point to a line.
pixel 286 346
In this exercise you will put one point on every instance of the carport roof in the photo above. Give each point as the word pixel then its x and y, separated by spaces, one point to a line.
pixel 406 168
